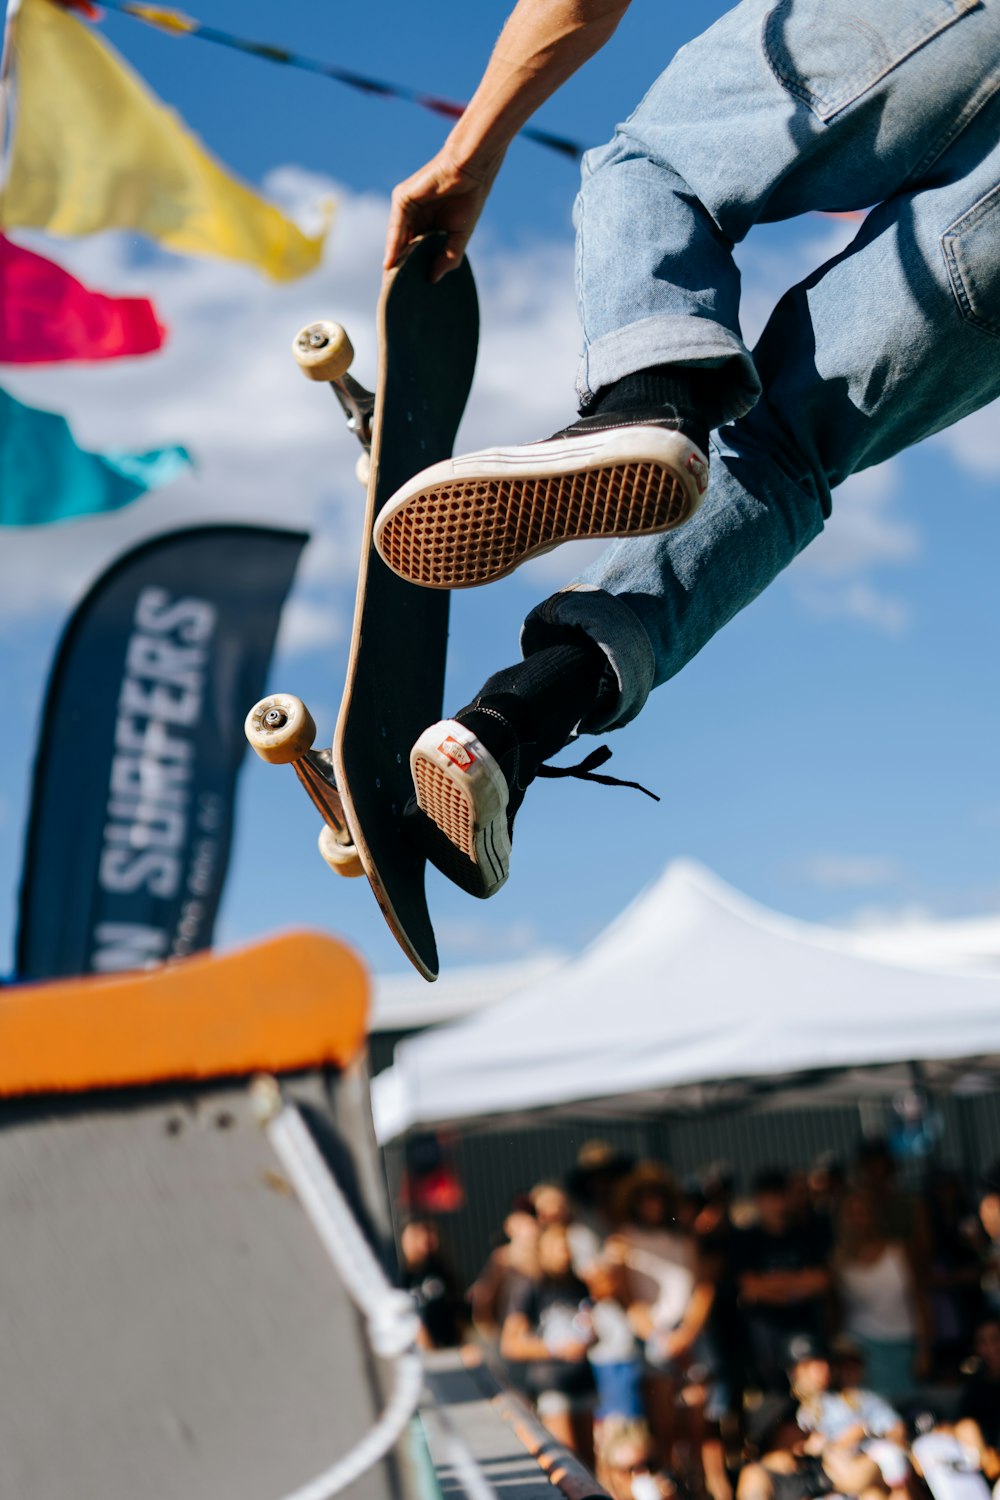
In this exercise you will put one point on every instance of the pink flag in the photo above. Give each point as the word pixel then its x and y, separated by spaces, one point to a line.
pixel 47 315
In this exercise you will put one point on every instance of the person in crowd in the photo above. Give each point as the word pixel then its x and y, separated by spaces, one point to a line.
pixel 827 1186
pixel 627 1464
pixel 882 1298
pixel 783 1279
pixel 425 1274
pixel 847 1422
pixel 716 1232
pixel 791 1466
pixel 902 1217
pixel 547 1333
pixel 802 1212
pixel 956 1297
pixel 509 1268
pixel 615 1354
pixel 989 1219
pixel 978 1420
pixel 592 1185
pixel 670 1297
pixel 552 1206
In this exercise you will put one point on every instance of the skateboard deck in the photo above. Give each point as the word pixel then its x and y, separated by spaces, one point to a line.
pixel 427 339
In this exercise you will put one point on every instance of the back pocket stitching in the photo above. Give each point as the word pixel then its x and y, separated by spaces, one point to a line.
pixel 959 275
pixel 915 38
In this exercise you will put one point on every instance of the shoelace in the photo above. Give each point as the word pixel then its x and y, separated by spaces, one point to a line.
pixel 586 771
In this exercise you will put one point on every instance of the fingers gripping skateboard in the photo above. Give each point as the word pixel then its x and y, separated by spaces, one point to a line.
pixel 281 730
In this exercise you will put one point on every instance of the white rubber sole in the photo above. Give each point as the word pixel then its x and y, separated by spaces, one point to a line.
pixel 462 791
pixel 471 519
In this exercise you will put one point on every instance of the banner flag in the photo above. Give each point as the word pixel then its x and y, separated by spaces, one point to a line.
pixel 47 315
pixel 141 740
pixel 45 477
pixel 93 149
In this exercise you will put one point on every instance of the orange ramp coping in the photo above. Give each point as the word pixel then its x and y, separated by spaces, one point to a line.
pixel 297 1000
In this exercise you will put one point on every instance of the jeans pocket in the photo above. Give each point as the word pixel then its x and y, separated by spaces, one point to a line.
pixel 972 254
pixel 830 52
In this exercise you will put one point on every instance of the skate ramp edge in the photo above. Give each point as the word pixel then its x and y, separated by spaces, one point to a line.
pixel 294 1001
pixel 486 1444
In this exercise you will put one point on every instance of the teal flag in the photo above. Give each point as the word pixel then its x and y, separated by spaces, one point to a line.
pixel 45 477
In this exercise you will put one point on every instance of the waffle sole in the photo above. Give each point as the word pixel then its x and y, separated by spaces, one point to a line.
pixel 470 520
pixel 462 794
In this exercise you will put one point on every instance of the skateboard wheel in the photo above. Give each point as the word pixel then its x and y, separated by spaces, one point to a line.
pixel 342 858
pixel 363 467
pixel 323 351
pixel 280 729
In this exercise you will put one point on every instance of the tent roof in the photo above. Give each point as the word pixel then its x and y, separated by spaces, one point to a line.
pixel 693 993
pixel 404 1002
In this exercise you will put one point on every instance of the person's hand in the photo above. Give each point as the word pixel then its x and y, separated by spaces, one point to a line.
pixel 573 1352
pixel 443 195
pixel 675 1346
pixel 615 1250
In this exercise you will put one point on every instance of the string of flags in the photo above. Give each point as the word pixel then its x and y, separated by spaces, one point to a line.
pixel 179 24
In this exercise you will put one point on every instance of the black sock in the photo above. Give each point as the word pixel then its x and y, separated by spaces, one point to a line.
pixel 685 392
pixel 543 697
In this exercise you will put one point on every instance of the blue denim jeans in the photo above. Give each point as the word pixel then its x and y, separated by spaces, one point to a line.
pixel 779 109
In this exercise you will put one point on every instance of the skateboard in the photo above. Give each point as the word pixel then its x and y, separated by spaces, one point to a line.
pixel 427 339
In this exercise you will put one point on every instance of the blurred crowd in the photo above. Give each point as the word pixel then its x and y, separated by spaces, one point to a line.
pixel 830 1333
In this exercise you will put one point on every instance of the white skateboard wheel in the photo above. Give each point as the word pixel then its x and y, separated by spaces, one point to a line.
pixel 280 728
pixel 323 351
pixel 342 858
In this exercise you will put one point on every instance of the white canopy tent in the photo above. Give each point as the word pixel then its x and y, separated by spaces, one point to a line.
pixel 694 996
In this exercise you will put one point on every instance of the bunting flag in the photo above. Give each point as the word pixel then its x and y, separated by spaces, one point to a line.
pixel 45 477
pixel 46 315
pixel 93 149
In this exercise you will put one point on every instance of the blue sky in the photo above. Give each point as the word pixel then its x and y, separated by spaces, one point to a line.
pixel 832 752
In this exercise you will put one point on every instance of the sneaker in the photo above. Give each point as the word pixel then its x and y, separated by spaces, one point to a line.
pixel 462 814
pixel 467 794
pixel 477 517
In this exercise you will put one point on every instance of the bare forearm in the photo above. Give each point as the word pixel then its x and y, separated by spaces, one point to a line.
pixel 543 43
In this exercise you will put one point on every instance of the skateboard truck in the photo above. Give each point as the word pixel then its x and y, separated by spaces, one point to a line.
pixel 324 352
pixel 281 730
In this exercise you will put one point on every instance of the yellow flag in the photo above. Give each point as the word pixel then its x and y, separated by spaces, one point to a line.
pixel 93 149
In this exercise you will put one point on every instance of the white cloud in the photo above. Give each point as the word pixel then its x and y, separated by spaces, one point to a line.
pixel 830 577
pixel 306 625
pixel 849 871
pixel 858 601
pixel 974 443
pixel 865 530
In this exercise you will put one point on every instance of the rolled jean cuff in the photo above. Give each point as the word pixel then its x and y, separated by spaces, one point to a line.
pixel 672 339
pixel 611 625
